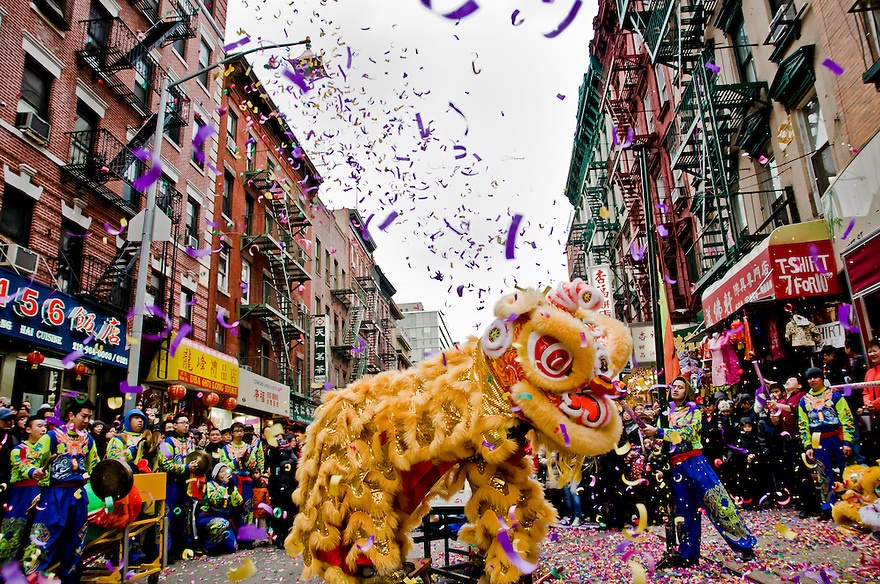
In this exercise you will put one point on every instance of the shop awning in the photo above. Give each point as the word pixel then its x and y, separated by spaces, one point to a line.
pixel 862 263
pixel 794 78
pixel 785 265
pixel 197 367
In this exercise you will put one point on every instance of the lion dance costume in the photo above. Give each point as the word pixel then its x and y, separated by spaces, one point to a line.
pixel 380 449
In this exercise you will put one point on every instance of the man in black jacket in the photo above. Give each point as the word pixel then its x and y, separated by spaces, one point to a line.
pixel 281 464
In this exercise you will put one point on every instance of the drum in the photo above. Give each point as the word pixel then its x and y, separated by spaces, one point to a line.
pixel 111 478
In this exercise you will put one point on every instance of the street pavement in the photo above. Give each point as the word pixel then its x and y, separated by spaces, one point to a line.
pixel 818 551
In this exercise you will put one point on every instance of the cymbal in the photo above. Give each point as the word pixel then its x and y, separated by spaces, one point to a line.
pixel 150 443
pixel 111 478
pixel 272 433
pixel 203 460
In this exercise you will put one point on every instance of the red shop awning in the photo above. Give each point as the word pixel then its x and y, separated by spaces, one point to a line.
pixel 862 262
pixel 782 266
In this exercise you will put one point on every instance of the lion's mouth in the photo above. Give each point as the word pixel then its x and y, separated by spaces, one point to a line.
pixel 584 408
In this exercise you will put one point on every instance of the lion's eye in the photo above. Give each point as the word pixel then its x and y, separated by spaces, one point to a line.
pixel 551 357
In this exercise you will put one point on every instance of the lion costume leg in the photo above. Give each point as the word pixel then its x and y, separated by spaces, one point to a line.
pixel 496 489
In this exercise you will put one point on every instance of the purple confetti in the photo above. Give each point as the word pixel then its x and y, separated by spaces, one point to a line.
pixel 452 105
pixel 562 26
pixel 511 236
pixel 252 533
pixel 565 435
pixel 462 11
pixel 348 65
pixel 513 18
pixel 833 67
pixel 489 446
pixel 630 137
pixel 662 230
pixel 124 387
pixel 112 230
pixel 713 67
pixel 328 386
pixel 368 545
pixel 669 280
pixel 460 290
pixel 198 253
pixel 297 80
pixel 814 257
pixel 422 131
pixel 69 360
pixel 236 44
pixel 843 316
pixel 852 223
pixel 198 143
pixel 146 180
pixel 221 318
pixel 636 251
pixel 560 97
pixel 185 329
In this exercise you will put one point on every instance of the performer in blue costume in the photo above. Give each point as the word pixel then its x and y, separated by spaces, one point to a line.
pixel 695 484
pixel 220 505
pixel 172 460
pixel 826 415
pixel 59 528
pixel 24 492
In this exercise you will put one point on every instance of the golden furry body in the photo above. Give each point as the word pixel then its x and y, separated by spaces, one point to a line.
pixel 383 447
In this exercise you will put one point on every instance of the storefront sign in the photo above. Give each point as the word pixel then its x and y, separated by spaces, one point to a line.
pixel 321 350
pixel 685 337
pixel 644 350
pixel 44 316
pixel 602 278
pixel 302 410
pixel 197 366
pixel 833 335
pixel 794 261
pixel 263 394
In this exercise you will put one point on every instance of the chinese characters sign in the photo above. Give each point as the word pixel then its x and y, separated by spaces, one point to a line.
pixel 199 366
pixel 263 394
pixel 321 365
pixel 301 410
pixel 644 350
pixel 602 278
pixel 36 313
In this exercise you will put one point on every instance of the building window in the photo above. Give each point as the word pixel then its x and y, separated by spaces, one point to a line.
pixel 297 377
pixel 70 257
pixel 155 290
pixel 165 194
pixel 660 75
pixel 745 61
pixel 223 269
pixel 220 332
pixel 226 203
pixel 335 273
pixel 245 283
pixel 326 266
pixel 16 210
pixel 204 62
pixel 179 47
pixel 83 139
pixel 251 153
pixel 209 6
pixel 317 256
pixel 231 131
pixel 199 124
pixel 143 79
pixel 244 346
pixel 818 147
pixel 248 214
pixel 270 166
pixel 870 18
pixel 186 306
pixel 98 29
pixel 193 213
pixel 36 85
pixel 265 357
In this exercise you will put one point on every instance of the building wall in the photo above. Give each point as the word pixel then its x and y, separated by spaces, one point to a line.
pixel 425 329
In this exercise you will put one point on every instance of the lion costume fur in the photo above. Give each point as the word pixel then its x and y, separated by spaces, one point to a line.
pixel 382 448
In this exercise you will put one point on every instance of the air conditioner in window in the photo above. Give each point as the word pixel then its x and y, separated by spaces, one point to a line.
pixel 246 367
pixel 192 241
pixel 19 258
pixel 34 126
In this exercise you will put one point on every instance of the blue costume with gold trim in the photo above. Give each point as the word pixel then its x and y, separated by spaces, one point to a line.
pixel 22 495
pixel 172 460
pixel 696 485
pixel 826 413
pixel 59 528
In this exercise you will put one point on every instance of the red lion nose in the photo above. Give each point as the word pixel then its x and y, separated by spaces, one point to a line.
pixel 601 385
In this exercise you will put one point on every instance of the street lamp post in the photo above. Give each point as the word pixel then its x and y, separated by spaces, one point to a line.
pixel 146 238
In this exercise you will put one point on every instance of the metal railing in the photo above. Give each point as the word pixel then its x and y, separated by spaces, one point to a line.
pixel 83 280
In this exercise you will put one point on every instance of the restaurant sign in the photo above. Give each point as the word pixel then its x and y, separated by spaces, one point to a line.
pixel 32 312
pixel 197 366
pixel 263 394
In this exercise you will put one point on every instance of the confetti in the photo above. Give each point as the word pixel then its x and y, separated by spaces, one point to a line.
pixel 713 67
pixel 566 21
pixel 630 137
pixel 244 571
pixel 852 223
pixel 511 236
pixel 833 67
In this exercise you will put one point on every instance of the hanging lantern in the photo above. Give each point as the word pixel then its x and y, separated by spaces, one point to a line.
pixel 80 370
pixel 211 399
pixel 229 403
pixel 35 359
pixel 176 391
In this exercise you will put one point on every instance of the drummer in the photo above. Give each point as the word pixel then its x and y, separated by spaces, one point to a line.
pixel 129 444
pixel 172 454
pixel 59 529
pixel 217 514
pixel 24 491
pixel 241 458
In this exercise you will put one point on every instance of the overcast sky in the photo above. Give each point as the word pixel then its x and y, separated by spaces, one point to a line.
pixel 456 190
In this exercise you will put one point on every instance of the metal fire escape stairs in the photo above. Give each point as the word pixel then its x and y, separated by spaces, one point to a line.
pixel 274 233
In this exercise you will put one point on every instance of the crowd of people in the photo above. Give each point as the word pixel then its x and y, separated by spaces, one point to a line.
pixel 241 497
pixel 783 444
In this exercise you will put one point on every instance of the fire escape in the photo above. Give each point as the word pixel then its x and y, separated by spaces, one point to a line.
pixel 622 99
pixel 106 166
pixel 377 343
pixel 700 141
pixel 672 30
pixel 273 232
pixel 348 290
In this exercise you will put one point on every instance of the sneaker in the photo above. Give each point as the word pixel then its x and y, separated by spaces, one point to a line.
pixel 576 522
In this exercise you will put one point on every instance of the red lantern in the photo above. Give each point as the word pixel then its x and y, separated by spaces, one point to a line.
pixel 176 391
pixel 229 403
pixel 35 359
pixel 80 370
pixel 211 399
